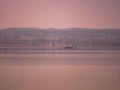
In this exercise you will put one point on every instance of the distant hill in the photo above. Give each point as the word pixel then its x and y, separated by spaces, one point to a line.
pixel 52 38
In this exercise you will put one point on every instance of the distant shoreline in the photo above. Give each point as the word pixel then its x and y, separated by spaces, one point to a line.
pixel 57 39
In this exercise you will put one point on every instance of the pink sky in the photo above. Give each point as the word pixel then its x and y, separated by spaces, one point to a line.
pixel 60 13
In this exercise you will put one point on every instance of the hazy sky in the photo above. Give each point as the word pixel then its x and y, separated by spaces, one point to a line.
pixel 60 13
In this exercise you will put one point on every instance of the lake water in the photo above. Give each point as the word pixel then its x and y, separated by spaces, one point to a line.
pixel 60 70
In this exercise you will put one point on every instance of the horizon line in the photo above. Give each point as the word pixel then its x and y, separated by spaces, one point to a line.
pixel 53 28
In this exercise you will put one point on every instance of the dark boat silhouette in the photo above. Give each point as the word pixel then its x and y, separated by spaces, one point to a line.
pixel 69 47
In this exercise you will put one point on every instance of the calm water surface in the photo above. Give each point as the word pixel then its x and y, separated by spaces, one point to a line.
pixel 85 70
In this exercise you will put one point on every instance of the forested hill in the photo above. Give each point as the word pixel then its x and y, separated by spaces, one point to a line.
pixel 74 38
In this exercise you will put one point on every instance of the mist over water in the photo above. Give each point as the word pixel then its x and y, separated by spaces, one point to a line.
pixel 85 57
